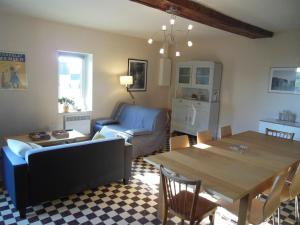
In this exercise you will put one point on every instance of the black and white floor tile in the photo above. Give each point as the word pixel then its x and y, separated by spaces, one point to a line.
pixel 116 203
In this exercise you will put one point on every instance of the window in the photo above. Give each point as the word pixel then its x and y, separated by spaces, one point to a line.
pixel 75 80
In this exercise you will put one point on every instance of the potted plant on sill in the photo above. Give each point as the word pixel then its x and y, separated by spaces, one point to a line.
pixel 66 102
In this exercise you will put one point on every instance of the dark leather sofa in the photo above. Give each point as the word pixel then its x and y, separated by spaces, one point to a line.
pixel 57 171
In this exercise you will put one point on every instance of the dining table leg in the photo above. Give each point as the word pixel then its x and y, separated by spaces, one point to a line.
pixel 161 202
pixel 244 210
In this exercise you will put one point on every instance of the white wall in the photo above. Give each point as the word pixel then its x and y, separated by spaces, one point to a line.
pixel 36 107
pixel 246 72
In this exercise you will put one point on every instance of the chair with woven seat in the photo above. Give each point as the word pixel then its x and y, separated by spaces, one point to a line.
pixel 204 136
pixel 181 202
pixel 280 134
pixel 179 142
pixel 226 131
pixel 261 210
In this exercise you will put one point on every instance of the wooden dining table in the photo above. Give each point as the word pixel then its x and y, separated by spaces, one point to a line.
pixel 235 168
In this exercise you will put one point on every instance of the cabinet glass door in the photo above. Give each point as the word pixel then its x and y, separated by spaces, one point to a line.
pixel 184 76
pixel 202 75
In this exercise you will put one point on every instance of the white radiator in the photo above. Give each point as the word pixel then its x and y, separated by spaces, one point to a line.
pixel 79 121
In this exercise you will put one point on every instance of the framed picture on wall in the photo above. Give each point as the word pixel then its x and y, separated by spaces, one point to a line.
pixel 138 70
pixel 12 71
pixel 285 80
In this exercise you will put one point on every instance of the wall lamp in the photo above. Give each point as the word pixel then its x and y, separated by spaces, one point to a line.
pixel 126 81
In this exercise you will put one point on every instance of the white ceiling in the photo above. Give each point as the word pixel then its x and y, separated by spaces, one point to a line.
pixel 129 18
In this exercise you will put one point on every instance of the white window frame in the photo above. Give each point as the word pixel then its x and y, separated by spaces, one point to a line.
pixel 86 78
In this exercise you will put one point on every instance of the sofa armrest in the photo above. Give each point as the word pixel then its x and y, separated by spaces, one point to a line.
pixel 138 132
pixel 106 121
pixel 15 178
pixel 128 162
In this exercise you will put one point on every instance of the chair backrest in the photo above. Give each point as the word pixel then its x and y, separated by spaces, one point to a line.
pixel 204 136
pixel 295 183
pixel 178 142
pixel 280 134
pixel 137 116
pixel 177 194
pixel 226 131
pixel 273 201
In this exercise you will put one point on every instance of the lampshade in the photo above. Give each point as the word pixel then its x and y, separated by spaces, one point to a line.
pixel 126 80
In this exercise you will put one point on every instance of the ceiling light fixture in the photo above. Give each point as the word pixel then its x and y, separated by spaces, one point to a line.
pixel 169 34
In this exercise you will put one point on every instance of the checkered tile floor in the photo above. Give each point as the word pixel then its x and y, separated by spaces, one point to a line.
pixel 116 203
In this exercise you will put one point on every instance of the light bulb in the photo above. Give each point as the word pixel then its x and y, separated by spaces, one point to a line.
pixel 177 53
pixel 172 21
pixel 164 27
pixel 190 27
pixel 162 51
pixel 298 69
pixel 190 43
pixel 150 41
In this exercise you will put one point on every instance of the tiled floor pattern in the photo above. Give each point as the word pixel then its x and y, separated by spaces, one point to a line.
pixel 116 203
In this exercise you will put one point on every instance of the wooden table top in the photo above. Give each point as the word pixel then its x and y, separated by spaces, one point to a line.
pixel 230 173
pixel 73 134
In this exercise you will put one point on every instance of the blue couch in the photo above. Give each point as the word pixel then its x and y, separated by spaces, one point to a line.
pixel 53 172
pixel 144 128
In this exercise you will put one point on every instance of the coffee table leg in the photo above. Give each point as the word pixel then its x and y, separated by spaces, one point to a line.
pixel 244 210
pixel 161 203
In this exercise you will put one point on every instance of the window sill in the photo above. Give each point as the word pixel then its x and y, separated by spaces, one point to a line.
pixel 76 112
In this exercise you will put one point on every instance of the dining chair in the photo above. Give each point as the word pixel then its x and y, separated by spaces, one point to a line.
pixel 290 192
pixel 181 202
pixel 261 209
pixel 179 142
pixel 226 131
pixel 204 136
pixel 280 134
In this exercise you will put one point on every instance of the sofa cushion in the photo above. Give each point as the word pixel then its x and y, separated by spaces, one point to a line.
pixel 106 121
pixel 20 147
pixel 117 128
pixel 137 132
pixel 115 131
pixel 34 145
pixel 98 135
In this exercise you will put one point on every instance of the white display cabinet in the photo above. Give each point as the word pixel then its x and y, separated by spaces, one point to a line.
pixel 196 103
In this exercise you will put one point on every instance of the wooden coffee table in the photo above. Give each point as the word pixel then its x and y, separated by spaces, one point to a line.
pixel 74 136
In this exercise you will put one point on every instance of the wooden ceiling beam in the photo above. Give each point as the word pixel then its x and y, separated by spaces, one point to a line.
pixel 202 14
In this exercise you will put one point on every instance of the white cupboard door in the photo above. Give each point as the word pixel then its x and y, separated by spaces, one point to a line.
pixel 203 73
pixel 184 77
pixel 191 116
pixel 202 118
pixel 180 115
